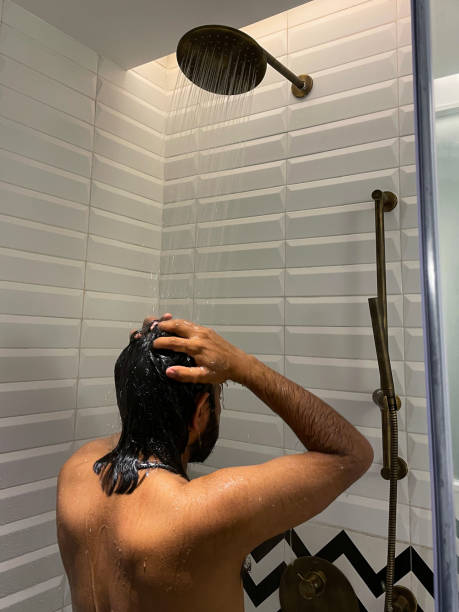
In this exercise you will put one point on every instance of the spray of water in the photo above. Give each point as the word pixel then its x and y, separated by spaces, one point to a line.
pixel 205 144
pixel 203 121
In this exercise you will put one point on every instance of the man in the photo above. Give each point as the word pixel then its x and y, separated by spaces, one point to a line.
pixel 167 544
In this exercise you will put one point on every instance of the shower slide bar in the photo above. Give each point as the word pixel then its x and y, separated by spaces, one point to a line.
pixel 394 467
pixel 384 397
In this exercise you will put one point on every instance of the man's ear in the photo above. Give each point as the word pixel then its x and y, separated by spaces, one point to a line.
pixel 200 412
pixel 201 400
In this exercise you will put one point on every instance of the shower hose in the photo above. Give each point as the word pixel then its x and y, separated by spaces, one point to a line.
pixel 393 479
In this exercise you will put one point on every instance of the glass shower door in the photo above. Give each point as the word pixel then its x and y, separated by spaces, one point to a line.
pixel 436 88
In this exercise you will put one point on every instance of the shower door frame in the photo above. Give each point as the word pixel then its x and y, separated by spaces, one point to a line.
pixel 440 442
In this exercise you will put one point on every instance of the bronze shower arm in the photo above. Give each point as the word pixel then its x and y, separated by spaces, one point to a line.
pixel 301 85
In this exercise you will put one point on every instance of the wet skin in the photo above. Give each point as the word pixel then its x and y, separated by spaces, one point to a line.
pixel 175 545
pixel 151 550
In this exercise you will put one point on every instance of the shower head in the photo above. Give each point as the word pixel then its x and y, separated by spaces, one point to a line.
pixel 226 61
pixel 221 59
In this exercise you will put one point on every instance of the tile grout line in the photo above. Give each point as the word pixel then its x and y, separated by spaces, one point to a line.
pixel 335 12
pixel 47 76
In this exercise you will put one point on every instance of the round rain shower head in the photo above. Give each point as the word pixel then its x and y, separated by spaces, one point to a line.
pixel 221 59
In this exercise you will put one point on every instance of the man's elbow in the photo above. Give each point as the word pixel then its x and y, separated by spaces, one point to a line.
pixel 360 460
pixel 364 457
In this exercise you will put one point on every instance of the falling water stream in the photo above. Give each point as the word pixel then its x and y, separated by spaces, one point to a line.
pixel 205 145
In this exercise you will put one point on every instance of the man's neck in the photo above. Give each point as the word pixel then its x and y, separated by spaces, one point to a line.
pixel 113 440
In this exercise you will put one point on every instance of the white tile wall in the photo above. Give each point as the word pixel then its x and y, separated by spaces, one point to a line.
pixel 267 236
pixel 81 189
pixel 279 242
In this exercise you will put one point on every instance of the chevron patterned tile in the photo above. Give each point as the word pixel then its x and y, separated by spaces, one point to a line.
pixel 355 554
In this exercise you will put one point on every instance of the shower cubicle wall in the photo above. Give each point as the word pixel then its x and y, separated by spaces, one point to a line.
pixel 106 219
pixel 279 257
pixel 81 182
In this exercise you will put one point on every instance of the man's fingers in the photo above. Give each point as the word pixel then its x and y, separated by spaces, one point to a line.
pixel 181 327
pixel 173 343
pixel 191 375
pixel 165 317
pixel 149 320
pixel 137 335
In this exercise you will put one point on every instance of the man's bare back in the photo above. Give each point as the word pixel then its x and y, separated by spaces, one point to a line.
pixel 174 544
pixel 150 550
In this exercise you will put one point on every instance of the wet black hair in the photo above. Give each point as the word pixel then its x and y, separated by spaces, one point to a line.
pixel 155 411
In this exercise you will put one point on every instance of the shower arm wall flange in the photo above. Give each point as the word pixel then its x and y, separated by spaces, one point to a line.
pixel 301 85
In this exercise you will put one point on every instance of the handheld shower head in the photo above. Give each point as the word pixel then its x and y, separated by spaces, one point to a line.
pixel 226 61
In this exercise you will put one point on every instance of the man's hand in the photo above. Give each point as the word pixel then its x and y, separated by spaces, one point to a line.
pixel 148 320
pixel 217 360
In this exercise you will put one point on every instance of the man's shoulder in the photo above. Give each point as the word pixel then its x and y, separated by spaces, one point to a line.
pixel 92 450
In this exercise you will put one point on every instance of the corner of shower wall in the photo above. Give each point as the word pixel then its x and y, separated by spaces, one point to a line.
pixel 81 190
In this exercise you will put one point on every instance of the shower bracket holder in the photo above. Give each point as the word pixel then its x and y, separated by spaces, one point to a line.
pixel 380 399
pixel 402 470
pixel 388 198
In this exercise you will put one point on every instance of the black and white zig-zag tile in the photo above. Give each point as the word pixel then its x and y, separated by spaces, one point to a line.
pixel 422 562
pixel 359 556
